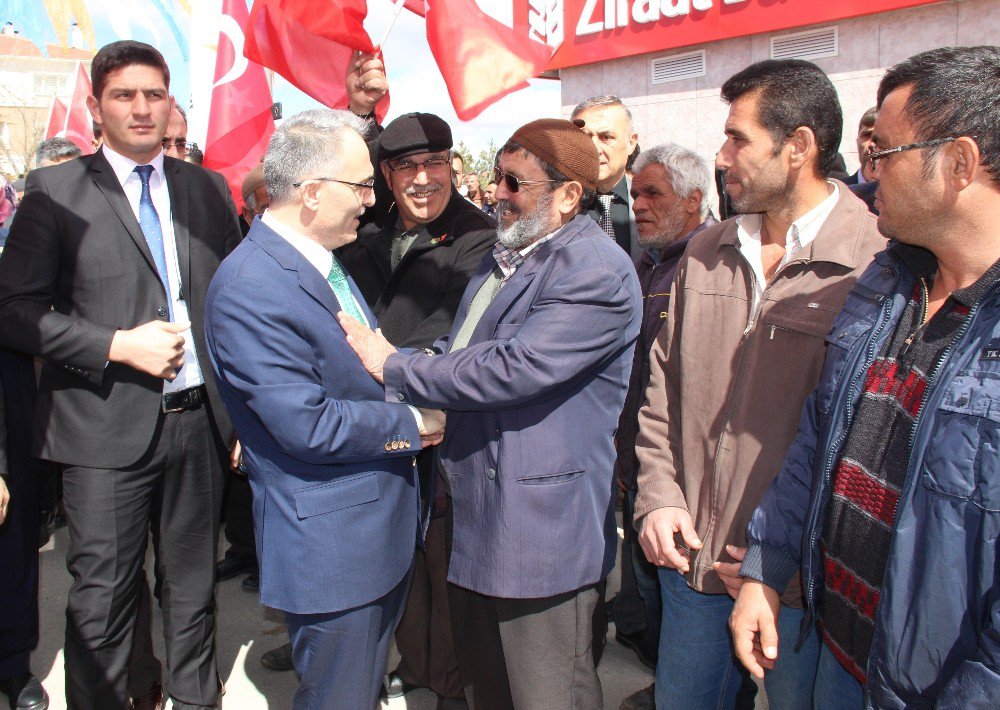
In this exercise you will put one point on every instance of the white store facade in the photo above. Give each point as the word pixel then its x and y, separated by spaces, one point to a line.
pixel 669 72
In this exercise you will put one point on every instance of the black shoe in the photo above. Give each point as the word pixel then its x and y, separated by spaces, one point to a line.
pixel 278 659
pixel 251 584
pixel 234 566
pixel 635 642
pixel 642 700
pixel 44 534
pixel 151 700
pixel 25 693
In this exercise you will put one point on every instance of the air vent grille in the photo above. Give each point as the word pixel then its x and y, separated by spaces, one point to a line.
pixel 678 66
pixel 812 44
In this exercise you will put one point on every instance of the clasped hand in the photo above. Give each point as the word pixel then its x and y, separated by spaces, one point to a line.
pixel 373 350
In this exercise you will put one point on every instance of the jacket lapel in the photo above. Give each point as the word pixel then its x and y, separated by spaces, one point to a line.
pixel 522 278
pixel 310 280
pixel 180 217
pixel 107 183
pixel 378 245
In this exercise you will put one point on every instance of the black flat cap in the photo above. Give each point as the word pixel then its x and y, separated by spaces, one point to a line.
pixel 414 133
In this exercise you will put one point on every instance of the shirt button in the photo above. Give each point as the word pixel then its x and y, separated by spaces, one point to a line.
pixel 161 311
pixel 491 474
pixel 401 397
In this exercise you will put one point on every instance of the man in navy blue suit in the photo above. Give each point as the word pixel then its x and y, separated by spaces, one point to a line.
pixel 533 376
pixel 330 462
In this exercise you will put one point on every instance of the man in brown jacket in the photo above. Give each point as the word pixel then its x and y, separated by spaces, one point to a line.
pixel 754 298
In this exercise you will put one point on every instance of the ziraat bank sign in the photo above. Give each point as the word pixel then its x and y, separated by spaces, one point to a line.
pixel 585 31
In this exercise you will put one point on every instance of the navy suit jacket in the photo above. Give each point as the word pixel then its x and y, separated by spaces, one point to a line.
pixel 533 403
pixel 335 502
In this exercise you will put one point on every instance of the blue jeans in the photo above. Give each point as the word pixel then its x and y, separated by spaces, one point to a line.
pixel 696 666
pixel 836 689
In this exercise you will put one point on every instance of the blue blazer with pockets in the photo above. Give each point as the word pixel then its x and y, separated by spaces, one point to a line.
pixel 335 500
pixel 533 404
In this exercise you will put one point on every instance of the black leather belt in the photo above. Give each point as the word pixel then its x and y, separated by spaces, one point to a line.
pixel 183 400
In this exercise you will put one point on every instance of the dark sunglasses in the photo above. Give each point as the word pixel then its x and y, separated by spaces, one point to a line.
pixel 514 184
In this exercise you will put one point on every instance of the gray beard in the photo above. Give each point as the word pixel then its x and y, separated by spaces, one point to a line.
pixel 527 228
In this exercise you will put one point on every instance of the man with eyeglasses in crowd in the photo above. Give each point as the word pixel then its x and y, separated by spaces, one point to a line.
pixel 412 266
pixel 174 142
pixel 889 498
pixel 533 375
pixel 336 509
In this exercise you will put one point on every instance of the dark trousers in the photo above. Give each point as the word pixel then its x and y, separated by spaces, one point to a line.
pixel 341 657
pixel 144 668
pixel 176 488
pixel 526 654
pixel 19 534
pixel 239 517
pixel 637 605
pixel 423 639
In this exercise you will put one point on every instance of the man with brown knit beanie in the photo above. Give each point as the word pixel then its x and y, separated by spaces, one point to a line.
pixel 533 375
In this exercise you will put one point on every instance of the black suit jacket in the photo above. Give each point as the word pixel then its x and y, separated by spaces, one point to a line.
pixel 77 268
pixel 622 220
pixel 416 303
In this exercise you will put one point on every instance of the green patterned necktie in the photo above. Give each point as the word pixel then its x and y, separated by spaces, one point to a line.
pixel 342 290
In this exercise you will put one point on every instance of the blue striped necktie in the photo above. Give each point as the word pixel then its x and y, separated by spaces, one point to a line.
pixel 149 222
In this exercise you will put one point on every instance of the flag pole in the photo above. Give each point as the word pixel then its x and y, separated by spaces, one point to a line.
pixel 397 8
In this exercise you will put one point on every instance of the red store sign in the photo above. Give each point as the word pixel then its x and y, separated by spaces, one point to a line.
pixel 596 30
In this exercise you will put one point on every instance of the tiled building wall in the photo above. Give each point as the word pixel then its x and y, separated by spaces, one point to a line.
pixel 691 113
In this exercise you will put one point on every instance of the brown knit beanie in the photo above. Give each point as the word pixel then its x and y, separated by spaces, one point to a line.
pixel 563 146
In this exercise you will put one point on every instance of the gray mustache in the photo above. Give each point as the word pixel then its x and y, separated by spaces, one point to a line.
pixel 429 187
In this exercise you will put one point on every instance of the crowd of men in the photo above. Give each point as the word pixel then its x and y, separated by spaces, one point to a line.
pixel 421 397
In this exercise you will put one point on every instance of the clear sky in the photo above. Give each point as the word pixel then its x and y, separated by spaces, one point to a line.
pixel 415 84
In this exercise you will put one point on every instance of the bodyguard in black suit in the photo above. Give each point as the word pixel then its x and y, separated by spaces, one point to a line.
pixel 104 277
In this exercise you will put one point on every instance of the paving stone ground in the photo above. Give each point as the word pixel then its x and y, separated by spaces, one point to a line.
pixel 246 630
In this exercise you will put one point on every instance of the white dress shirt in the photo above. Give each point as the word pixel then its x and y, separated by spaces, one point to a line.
pixel 314 252
pixel 190 374
pixel 801 232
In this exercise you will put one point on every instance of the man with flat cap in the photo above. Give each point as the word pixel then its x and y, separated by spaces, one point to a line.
pixel 533 375
pixel 412 266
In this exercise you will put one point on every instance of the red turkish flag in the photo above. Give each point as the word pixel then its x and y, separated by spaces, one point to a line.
pixel 239 119
pixel 311 44
pixel 482 59
pixel 79 124
pixel 57 119
pixel 417 7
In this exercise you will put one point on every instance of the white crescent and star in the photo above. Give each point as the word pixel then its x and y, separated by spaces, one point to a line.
pixel 231 28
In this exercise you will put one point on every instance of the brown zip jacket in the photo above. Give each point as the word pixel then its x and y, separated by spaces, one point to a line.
pixel 727 385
